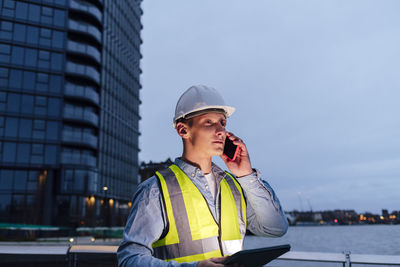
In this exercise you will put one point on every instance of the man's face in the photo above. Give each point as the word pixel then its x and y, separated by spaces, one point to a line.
pixel 207 134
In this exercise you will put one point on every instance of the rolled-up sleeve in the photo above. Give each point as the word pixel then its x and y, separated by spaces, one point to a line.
pixel 145 225
pixel 265 216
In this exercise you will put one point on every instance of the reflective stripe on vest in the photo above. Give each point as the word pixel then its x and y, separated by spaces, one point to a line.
pixel 193 234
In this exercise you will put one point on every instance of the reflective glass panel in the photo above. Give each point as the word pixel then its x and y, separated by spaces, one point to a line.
pixel 22 11
pixel 23 153
pixel 11 127
pixel 9 151
pixel 29 80
pixel 16 79
pixel 13 102
pixel 19 32
pixel 25 128
pixel 50 154
pixel 27 104
pixel 20 180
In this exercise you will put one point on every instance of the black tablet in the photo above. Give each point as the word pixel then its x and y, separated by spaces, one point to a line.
pixel 257 257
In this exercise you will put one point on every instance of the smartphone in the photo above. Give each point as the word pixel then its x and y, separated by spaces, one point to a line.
pixel 230 150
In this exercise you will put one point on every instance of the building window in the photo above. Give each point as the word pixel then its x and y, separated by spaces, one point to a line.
pixel 8 8
pixel 59 18
pixel 5 203
pixel 40 105
pixel 17 56
pixel 3 78
pixel 25 128
pixel 2 124
pixel 29 80
pixel 37 154
pixel 56 61
pixel 50 154
pixel 13 102
pixel 27 104
pixel 34 13
pixel 32 180
pixel 47 15
pixel 9 152
pixel 42 81
pixel 6 178
pixel 11 127
pixel 52 130
pixel 58 39
pixel 15 79
pixel 31 57
pixel 5 51
pixel 22 10
pixel 6 30
pixel 53 107
pixel 55 83
pixel 44 59
pixel 19 33
pixel 38 129
pixel 45 37
pixel 23 153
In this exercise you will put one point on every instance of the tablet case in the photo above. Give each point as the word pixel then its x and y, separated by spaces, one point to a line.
pixel 257 257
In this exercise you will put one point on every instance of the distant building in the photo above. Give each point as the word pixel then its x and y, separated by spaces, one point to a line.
pixel 149 169
pixel 385 213
pixel 69 110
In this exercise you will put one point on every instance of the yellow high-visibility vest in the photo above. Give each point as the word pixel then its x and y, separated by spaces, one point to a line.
pixel 193 234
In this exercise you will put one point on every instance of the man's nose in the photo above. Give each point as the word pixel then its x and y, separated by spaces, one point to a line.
pixel 220 130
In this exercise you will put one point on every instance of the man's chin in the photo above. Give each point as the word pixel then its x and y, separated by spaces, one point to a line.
pixel 218 152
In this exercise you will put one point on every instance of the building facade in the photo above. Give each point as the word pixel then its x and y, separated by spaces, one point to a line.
pixel 69 110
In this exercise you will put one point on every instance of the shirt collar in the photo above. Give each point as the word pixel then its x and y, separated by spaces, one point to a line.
pixel 192 171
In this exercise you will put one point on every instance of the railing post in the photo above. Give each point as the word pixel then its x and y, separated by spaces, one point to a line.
pixel 69 255
pixel 348 262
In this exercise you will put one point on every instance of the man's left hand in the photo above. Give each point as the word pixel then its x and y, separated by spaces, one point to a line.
pixel 241 166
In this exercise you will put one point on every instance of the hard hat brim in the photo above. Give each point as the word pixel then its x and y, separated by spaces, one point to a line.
pixel 226 110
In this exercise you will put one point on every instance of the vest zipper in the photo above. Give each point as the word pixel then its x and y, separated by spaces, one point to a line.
pixel 219 224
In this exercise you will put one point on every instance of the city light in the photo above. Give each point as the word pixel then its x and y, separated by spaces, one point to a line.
pixel 91 200
pixel 105 188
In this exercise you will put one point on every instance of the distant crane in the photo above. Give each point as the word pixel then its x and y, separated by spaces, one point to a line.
pixel 300 201
pixel 309 204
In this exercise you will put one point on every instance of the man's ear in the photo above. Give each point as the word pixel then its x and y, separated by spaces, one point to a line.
pixel 182 130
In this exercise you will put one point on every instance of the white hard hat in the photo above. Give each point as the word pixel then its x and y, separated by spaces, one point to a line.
pixel 200 98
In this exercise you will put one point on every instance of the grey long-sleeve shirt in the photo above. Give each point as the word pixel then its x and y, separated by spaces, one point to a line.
pixel 147 219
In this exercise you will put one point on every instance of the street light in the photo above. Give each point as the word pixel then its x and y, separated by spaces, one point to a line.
pixel 106 206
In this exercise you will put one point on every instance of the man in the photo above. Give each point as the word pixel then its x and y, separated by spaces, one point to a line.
pixel 193 213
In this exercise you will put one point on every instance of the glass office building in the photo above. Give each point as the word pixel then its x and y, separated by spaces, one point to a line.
pixel 69 110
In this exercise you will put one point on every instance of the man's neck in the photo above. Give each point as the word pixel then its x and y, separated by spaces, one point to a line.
pixel 204 164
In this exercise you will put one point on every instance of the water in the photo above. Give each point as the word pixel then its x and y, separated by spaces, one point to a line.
pixel 358 239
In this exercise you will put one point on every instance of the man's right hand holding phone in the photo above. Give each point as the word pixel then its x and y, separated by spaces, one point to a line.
pixel 241 165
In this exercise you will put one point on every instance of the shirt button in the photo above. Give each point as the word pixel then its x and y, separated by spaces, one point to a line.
pixel 206 186
pixel 192 174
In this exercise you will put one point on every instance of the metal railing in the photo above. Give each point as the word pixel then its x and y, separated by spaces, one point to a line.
pixel 100 255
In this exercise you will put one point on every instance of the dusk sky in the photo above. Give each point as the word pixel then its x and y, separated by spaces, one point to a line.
pixel 316 86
